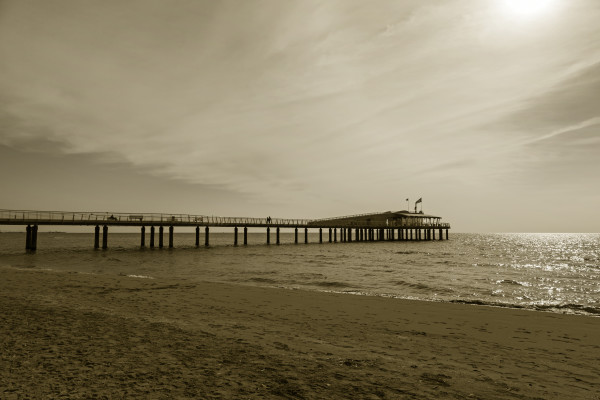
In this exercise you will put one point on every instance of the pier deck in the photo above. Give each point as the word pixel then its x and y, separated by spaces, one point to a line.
pixel 365 227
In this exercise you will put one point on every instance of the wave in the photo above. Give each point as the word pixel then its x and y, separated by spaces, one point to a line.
pixel 562 308
pixel 422 287
pixel 331 284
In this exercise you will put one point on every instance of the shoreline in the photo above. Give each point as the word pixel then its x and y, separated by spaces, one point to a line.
pixel 122 337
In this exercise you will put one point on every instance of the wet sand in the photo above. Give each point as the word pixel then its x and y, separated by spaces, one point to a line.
pixel 68 335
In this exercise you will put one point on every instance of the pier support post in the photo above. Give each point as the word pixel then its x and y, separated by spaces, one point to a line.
pixel 28 238
pixel 335 235
pixel 206 236
pixel 235 234
pixel 349 234
pixel 441 235
pixel 105 237
pixel 305 235
pixel 143 237
pixel 277 238
pixel 330 238
pixel 360 235
pixel 152 230
pixel 446 234
pixel 34 231
pixel 268 235
pixel 296 235
pixel 97 237
pixel 171 236
pixel 433 234
pixel 245 235
pixel 393 234
pixel 320 235
pixel 197 242
pixel 161 232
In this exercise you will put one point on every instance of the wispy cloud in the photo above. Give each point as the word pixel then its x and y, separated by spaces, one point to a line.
pixel 289 97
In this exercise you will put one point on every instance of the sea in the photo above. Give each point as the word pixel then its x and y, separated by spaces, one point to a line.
pixel 558 272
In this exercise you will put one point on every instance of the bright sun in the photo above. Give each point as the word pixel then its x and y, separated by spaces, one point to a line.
pixel 529 7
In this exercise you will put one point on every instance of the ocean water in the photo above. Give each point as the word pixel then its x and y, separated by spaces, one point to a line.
pixel 549 272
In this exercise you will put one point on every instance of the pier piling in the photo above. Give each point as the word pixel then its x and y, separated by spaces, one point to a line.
pixel 152 231
pixel 97 237
pixel 197 236
pixel 161 232
pixel 235 236
pixel 105 237
pixel 245 236
pixel 171 236
pixel 143 237
pixel 206 236
pixel 28 238
pixel 34 231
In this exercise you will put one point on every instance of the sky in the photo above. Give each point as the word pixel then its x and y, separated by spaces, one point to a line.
pixel 488 110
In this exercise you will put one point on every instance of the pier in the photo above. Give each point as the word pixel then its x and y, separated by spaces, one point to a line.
pixel 371 227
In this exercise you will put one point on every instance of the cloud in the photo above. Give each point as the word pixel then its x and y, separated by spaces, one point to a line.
pixel 287 97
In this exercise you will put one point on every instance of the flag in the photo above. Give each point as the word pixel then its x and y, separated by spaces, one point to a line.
pixel 419 201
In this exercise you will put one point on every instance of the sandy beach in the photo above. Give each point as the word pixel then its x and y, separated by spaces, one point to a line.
pixel 71 335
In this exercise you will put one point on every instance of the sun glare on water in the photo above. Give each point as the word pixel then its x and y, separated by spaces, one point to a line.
pixel 529 7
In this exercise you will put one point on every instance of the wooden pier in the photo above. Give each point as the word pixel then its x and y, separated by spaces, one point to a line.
pixel 372 227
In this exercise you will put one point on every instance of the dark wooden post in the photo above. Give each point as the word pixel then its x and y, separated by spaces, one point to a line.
pixel 277 239
pixel 335 235
pixel 161 233
pixel 268 235
pixel 349 234
pixel 171 236
pixel 330 238
pixel 105 237
pixel 152 230
pixel 206 236
pixel 197 236
pixel 28 238
pixel 143 237
pixel 305 235
pixel 245 236
pixel 446 234
pixel 235 234
pixel 97 237
pixel 34 231
pixel 32 237
pixel 320 235
pixel 296 235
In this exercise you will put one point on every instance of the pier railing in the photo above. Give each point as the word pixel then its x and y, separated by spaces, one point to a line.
pixel 25 217
pixel 92 218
